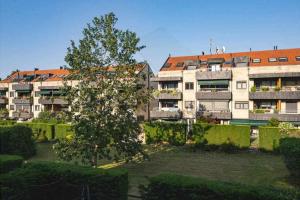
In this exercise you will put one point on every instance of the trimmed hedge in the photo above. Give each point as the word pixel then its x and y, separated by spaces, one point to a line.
pixel 17 140
pixel 7 122
pixel 63 130
pixel 290 149
pixel 46 180
pixel 176 187
pixel 173 133
pixel 216 135
pixel 10 162
pixel 42 131
pixel 269 138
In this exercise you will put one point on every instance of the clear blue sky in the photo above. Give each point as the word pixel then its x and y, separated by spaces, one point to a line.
pixel 36 33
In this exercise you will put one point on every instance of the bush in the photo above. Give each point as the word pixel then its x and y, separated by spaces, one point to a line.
pixel 173 187
pixel 290 149
pixel 46 180
pixel 273 122
pixel 10 162
pixel 41 131
pixel 173 133
pixel 63 130
pixel 7 122
pixel 223 137
pixel 17 140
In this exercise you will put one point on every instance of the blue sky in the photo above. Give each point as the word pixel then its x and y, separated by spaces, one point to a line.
pixel 35 33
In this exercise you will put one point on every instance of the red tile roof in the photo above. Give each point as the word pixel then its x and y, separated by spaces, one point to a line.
pixel 262 55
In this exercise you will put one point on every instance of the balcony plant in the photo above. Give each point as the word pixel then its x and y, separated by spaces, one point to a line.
pixel 277 89
pixel 264 89
pixel 253 88
pixel 3 113
pixel 259 111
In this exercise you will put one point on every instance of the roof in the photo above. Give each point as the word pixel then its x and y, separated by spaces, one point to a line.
pixel 174 62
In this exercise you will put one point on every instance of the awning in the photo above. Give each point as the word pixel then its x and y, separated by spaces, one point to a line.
pixel 248 122
pixel 214 82
pixel 45 92
pixel 57 92
pixel 24 91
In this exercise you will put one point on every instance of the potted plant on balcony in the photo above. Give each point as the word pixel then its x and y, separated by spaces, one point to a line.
pixel 253 88
pixel 265 89
pixel 277 89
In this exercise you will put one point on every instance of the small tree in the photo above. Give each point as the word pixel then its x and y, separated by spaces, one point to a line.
pixel 273 122
pixel 104 100
pixel 284 128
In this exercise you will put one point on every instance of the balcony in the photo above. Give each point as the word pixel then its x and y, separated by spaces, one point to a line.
pixel 213 95
pixel 3 100
pixel 274 95
pixel 165 114
pixel 207 75
pixel 170 78
pixel 3 89
pixel 226 114
pixel 168 94
pixel 22 87
pixel 54 101
pixel 27 100
pixel 279 116
pixel 22 115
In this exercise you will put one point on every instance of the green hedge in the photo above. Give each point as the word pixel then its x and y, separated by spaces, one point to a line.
pixel 42 130
pixel 213 134
pixel 176 187
pixel 63 130
pixel 17 140
pixel 173 133
pixel 46 180
pixel 290 149
pixel 269 138
pixel 10 162
pixel 7 122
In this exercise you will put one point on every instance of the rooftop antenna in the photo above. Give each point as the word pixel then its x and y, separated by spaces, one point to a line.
pixel 223 49
pixel 210 44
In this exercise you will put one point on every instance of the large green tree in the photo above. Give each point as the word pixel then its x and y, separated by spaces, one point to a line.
pixel 104 101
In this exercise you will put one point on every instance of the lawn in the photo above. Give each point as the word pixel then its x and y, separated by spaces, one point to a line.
pixel 243 167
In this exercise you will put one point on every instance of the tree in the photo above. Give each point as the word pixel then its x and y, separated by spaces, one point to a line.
pixel 285 128
pixel 273 122
pixel 104 100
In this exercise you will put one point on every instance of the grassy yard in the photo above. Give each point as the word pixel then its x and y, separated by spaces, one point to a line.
pixel 243 167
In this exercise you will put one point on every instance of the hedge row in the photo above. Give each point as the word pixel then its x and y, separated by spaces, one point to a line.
pixel 269 138
pixel 63 130
pixel 10 162
pixel 212 134
pixel 42 131
pixel 46 180
pixel 173 187
pixel 173 133
pixel 290 149
pixel 17 140
pixel 7 122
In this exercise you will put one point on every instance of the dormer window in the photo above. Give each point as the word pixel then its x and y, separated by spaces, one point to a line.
pixel 283 59
pixel 214 67
pixel 167 65
pixel 272 59
pixel 256 60
pixel 297 58
pixel 180 64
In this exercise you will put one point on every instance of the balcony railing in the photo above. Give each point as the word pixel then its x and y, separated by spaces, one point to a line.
pixel 165 114
pixel 22 86
pixel 3 100
pixel 22 100
pixel 168 94
pixel 267 114
pixel 213 95
pixel 224 114
pixel 54 101
pixel 274 95
pixel 208 75
pixel 22 115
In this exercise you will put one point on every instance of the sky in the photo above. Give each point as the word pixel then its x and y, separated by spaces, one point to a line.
pixel 36 33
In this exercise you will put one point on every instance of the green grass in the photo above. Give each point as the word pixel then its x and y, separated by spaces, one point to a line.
pixel 242 167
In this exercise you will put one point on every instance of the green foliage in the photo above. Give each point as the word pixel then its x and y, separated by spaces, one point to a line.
pixel 223 137
pixel 265 89
pixel 253 88
pixel 17 140
pixel 290 149
pixel 63 130
pixel 41 131
pixel 4 113
pixel 63 181
pixel 173 187
pixel 273 122
pixel 7 122
pixel 173 133
pixel 10 162
pixel 51 117
pixel 277 89
pixel 284 128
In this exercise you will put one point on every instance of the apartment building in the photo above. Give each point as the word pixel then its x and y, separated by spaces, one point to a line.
pixel 237 88
pixel 26 93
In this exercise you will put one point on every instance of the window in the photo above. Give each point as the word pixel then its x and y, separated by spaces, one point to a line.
pixel 189 85
pixel 213 106
pixel 241 85
pixel 180 64
pixel 11 107
pixel 189 104
pixel 241 105
pixel 37 94
pixel 37 107
pixel 169 104
pixel 169 85
pixel 256 60
pixel 12 94
pixel 291 107
pixel 167 65
pixel 214 68
pixel 272 59
pixel 297 58
pixel 283 59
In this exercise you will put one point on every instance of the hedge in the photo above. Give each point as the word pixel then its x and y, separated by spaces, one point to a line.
pixel 213 134
pixel 290 149
pixel 46 180
pixel 41 130
pixel 17 140
pixel 176 187
pixel 173 133
pixel 7 122
pixel 10 162
pixel 63 130
pixel 269 138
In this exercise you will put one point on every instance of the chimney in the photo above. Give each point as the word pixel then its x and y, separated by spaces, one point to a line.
pixel 35 69
pixel 203 53
pixel 61 67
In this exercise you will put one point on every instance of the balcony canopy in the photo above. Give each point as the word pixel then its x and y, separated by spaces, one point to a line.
pixel 248 122
pixel 214 82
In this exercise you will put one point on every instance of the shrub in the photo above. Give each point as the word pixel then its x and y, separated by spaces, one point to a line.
pixel 17 140
pixel 273 122
pixel 253 88
pixel 265 89
pixel 173 133
pixel 290 149
pixel 7 122
pixel 173 187
pixel 10 162
pixel 224 136
pixel 63 130
pixel 63 181
pixel 41 131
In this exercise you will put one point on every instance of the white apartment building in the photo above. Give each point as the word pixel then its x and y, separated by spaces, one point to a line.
pixel 26 93
pixel 237 88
